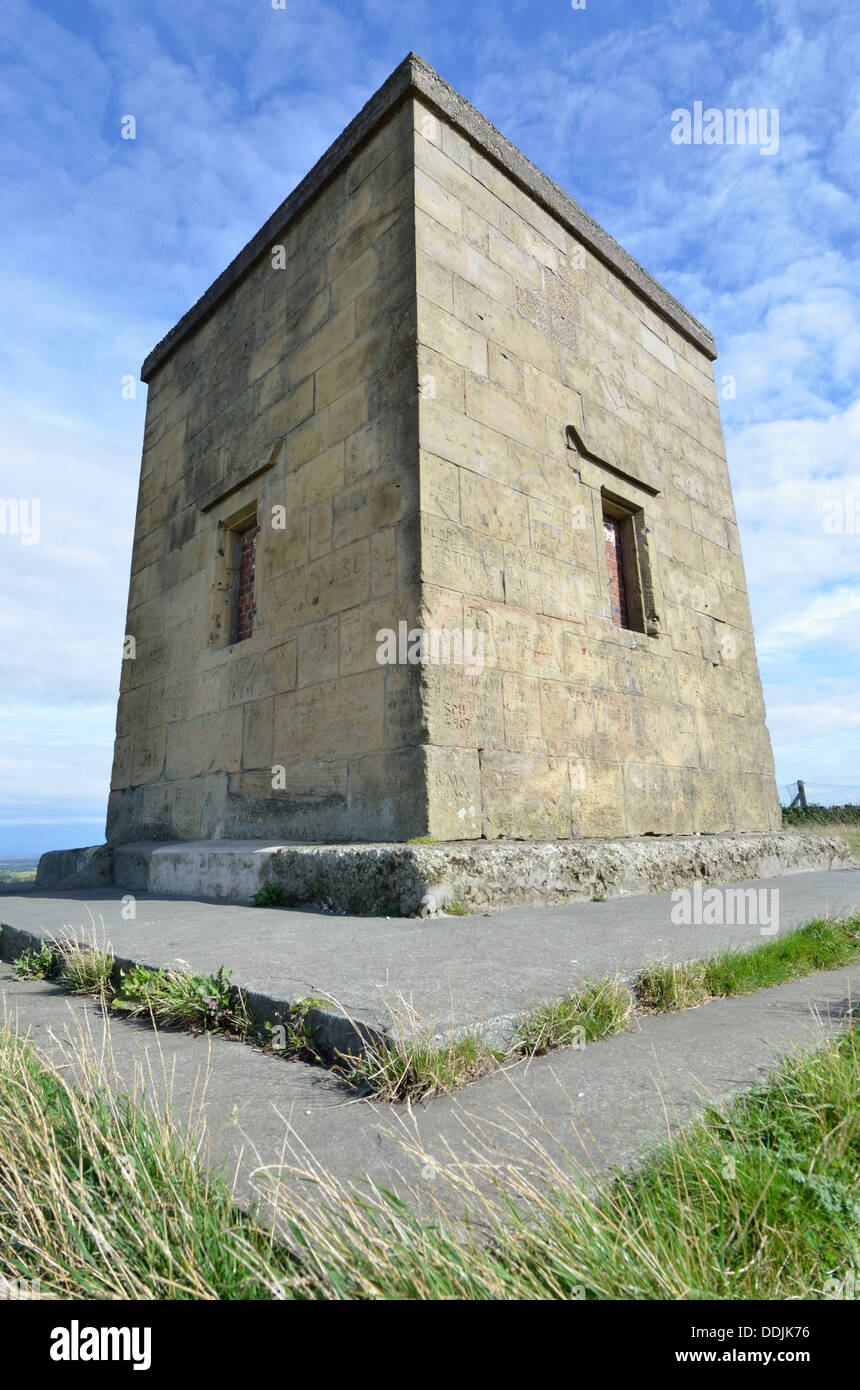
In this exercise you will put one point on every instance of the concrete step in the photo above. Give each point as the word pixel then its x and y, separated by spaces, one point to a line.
pixel 480 972
pixel 422 879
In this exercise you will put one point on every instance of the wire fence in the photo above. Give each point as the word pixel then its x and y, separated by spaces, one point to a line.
pixel 822 793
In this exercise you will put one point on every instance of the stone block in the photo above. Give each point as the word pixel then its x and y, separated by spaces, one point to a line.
pixel 453 780
pixel 525 796
pixel 208 743
pixel 347 723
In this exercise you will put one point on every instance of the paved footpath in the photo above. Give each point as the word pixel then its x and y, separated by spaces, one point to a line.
pixel 603 1105
pixel 452 970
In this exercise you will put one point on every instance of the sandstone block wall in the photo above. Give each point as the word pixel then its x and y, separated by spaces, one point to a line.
pixel 295 399
pixel 577 726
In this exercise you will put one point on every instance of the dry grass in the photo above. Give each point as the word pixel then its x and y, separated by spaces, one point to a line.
pixel 411 1062
pixel 849 833
pixel 104 1196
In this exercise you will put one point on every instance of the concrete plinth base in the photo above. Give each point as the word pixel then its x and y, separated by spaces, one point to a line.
pixel 421 879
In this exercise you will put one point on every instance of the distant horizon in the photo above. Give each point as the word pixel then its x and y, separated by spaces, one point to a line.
pixel 31 841
pixel 53 836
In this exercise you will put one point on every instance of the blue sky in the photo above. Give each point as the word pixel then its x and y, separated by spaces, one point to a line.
pixel 106 242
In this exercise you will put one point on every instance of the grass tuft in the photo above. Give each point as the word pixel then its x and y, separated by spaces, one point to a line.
pixel 41 964
pixel 413 1071
pixel 597 1010
pixel 412 1064
pixel 664 985
pixel 296 1038
pixel 86 970
pixel 820 945
pixel 205 1002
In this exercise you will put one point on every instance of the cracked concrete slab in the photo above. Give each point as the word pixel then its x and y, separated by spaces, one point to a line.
pixel 601 1107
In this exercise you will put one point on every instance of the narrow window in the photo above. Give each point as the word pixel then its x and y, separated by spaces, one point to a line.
pixel 627 568
pixel 244 601
pixel 614 541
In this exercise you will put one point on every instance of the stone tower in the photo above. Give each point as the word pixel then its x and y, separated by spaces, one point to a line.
pixel 435 534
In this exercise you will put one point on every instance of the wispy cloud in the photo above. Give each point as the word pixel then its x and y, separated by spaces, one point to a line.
pixel 831 618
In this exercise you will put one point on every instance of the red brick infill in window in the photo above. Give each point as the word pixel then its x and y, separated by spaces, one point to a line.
pixel 245 607
pixel 617 592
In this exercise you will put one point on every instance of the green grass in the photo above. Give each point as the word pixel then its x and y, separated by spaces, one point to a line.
pixel 412 1064
pixel 415 1066
pixel 759 1202
pixel 296 1037
pixel 38 964
pixel 79 969
pixel 267 896
pixel 597 1010
pixel 102 1197
pixel 422 840
pixel 832 820
pixel 184 999
pixel 456 908
pixel 828 816
pixel 413 1070
pixel 820 945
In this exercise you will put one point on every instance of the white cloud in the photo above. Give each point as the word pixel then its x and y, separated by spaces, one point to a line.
pixel 803 578
pixel 825 619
